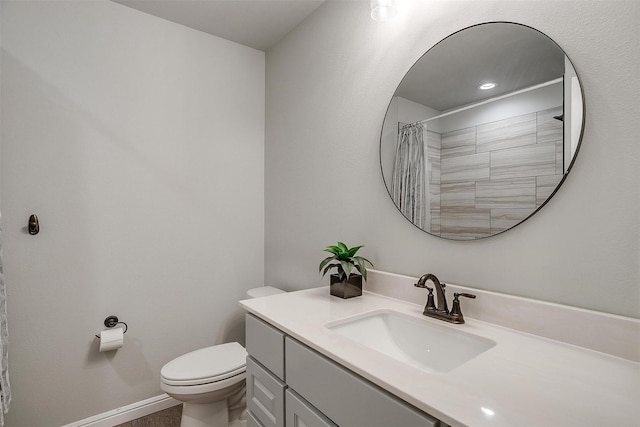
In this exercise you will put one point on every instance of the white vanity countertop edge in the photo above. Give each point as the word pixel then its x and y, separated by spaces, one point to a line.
pixel 524 380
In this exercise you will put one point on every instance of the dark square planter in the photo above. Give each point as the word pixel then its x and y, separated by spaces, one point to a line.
pixel 347 289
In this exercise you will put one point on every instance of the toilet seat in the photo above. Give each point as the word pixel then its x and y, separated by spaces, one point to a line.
pixel 206 365
pixel 214 390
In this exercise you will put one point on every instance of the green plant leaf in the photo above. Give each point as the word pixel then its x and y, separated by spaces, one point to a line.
pixel 346 267
pixel 367 261
pixel 361 267
pixel 343 248
pixel 329 267
pixel 332 249
pixel 324 262
pixel 354 249
pixel 362 261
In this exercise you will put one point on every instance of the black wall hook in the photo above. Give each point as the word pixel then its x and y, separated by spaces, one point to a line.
pixel 34 225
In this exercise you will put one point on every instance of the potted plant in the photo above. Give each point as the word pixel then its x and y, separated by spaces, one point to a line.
pixel 345 282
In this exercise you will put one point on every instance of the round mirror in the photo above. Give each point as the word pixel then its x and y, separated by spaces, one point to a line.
pixel 482 131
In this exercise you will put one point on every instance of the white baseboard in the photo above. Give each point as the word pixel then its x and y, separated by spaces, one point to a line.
pixel 127 413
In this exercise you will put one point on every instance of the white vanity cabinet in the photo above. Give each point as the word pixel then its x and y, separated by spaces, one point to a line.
pixel 289 384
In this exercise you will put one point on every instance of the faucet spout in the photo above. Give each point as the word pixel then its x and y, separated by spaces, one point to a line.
pixel 441 306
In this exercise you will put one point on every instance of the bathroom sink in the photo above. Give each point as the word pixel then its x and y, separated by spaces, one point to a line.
pixel 421 343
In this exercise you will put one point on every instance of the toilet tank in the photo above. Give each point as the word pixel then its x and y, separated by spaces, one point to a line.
pixel 263 291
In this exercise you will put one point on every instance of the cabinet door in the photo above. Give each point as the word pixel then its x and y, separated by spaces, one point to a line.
pixel 252 422
pixel 300 413
pixel 344 397
pixel 265 344
pixel 265 395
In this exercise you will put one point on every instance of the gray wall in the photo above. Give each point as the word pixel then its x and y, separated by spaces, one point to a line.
pixel 140 145
pixel 328 87
pixel 134 199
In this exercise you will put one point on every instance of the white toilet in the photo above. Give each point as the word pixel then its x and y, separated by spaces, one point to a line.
pixel 211 381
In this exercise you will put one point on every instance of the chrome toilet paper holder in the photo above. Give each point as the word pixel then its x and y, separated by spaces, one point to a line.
pixel 112 322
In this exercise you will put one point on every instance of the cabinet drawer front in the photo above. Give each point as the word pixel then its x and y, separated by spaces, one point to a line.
pixel 300 413
pixel 265 395
pixel 265 344
pixel 344 397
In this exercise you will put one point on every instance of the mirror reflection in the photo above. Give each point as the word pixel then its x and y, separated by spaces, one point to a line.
pixel 481 131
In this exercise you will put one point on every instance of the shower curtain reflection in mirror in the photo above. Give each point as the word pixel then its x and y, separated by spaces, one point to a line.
pixel 410 178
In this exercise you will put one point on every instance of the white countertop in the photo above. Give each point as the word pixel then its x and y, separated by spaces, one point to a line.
pixel 524 380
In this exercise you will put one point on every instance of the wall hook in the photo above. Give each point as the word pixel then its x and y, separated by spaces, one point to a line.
pixel 34 225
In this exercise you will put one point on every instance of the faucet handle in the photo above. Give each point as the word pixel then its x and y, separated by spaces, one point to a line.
pixel 456 313
pixel 463 294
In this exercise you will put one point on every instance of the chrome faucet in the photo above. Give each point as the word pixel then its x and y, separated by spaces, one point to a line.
pixel 441 310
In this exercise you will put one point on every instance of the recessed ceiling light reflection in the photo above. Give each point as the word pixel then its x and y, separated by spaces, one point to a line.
pixel 488 412
pixel 487 86
pixel 383 10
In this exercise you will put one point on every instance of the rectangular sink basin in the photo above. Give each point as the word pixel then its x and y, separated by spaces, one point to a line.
pixel 421 343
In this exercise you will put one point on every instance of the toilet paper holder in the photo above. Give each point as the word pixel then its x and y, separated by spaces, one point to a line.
pixel 111 322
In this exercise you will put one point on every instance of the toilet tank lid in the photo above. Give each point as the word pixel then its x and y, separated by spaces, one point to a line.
pixel 263 291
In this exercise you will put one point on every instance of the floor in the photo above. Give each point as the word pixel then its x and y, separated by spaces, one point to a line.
pixel 169 417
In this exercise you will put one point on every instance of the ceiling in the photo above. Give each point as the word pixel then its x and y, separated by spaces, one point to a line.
pixel 447 77
pixel 259 24
pixel 513 56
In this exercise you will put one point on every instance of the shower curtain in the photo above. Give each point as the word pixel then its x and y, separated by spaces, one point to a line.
pixel 409 184
pixel 5 389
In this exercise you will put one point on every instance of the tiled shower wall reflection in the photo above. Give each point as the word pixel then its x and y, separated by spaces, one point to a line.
pixel 487 178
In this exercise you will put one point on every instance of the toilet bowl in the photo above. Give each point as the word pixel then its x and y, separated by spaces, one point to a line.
pixel 211 381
